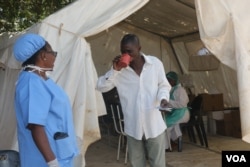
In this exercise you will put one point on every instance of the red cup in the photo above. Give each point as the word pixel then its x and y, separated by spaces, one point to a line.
pixel 124 60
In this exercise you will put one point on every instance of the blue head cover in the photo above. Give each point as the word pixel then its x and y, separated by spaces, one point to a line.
pixel 27 45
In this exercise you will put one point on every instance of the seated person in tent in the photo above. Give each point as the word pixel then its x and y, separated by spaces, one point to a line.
pixel 180 113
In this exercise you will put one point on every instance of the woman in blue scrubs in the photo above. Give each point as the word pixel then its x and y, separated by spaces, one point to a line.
pixel 46 135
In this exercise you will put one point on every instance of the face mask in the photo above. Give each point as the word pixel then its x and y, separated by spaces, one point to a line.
pixel 48 74
pixel 46 70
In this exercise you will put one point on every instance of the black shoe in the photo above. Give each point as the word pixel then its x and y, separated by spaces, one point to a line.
pixel 168 150
pixel 180 144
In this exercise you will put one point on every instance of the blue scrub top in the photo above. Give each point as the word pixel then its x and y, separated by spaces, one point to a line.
pixel 43 102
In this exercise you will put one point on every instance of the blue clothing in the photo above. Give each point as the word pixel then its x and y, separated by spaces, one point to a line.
pixel 42 102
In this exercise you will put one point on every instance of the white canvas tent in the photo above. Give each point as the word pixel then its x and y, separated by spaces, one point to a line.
pixel 87 33
pixel 74 69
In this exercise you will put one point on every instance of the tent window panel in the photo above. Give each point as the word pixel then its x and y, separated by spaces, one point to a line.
pixel 203 63
pixel 200 58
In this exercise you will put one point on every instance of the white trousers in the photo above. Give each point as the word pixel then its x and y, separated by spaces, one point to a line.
pixel 174 132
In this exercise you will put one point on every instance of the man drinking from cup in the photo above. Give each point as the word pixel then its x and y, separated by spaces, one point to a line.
pixel 142 87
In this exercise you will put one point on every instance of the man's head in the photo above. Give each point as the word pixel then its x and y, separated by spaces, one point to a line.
pixel 172 78
pixel 130 44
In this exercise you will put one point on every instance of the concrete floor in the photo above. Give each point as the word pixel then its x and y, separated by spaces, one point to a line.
pixel 103 152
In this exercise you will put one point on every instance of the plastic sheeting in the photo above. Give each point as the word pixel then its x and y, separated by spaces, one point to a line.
pixel 74 69
pixel 224 29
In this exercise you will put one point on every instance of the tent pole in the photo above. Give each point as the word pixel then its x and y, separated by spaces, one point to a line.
pixel 186 4
pixel 175 55
pixel 178 61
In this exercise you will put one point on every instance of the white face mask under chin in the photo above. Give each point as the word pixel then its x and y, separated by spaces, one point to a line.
pixel 46 70
pixel 48 74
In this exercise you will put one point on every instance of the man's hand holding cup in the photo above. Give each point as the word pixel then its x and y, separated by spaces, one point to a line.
pixel 121 61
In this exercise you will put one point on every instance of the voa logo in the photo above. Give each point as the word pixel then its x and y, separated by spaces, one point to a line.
pixel 236 158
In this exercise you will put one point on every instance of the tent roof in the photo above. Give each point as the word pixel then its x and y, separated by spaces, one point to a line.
pixel 166 18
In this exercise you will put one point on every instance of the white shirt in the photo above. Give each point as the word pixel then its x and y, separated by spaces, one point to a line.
pixel 180 96
pixel 139 97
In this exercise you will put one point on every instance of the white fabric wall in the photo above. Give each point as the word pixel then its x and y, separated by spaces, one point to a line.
pixel 224 28
pixel 7 114
pixel 74 69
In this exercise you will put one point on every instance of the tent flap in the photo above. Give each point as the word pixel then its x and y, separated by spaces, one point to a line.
pixel 228 39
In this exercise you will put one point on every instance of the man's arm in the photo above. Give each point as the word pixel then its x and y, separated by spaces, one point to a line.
pixel 107 82
pixel 163 85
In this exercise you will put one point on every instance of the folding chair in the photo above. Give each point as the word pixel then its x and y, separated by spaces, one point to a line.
pixel 196 121
pixel 168 137
pixel 106 121
pixel 119 125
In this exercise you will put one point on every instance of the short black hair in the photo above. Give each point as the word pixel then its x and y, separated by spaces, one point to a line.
pixel 130 38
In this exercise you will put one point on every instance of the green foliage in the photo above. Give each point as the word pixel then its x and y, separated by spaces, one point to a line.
pixel 17 15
